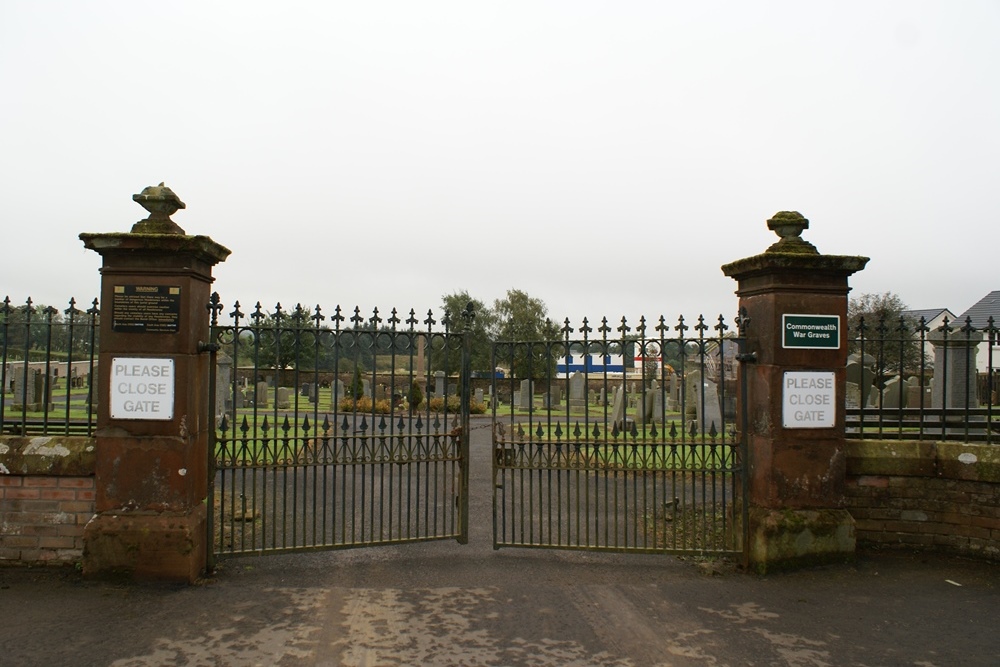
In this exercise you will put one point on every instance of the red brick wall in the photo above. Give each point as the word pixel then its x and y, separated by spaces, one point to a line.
pixel 46 498
pixel 942 496
pixel 43 518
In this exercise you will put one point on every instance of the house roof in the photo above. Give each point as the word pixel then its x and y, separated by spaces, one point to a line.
pixel 929 314
pixel 982 310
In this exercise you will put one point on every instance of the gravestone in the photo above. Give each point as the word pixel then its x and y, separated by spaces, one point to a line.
pixel 28 389
pixel 618 411
pixel 577 390
pixel 366 388
pixel 644 407
pixel 525 398
pixel 223 383
pixel 602 397
pixel 439 383
pixel 852 396
pixel 892 394
pixel 283 398
pixel 702 401
pixel 553 398
pixel 863 377
pixel 479 395
pixel 912 392
pixel 955 362
pixel 260 398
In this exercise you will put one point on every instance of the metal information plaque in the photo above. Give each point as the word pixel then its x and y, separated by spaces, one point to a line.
pixel 808 399
pixel 146 309
pixel 820 332
pixel 142 388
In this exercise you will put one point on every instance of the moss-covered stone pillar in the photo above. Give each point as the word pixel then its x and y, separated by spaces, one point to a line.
pixel 152 421
pixel 795 302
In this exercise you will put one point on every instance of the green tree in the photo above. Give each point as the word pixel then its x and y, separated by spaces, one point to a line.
pixel 890 337
pixel 457 305
pixel 522 319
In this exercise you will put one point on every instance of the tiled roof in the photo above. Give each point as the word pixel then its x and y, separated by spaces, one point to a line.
pixel 927 313
pixel 982 310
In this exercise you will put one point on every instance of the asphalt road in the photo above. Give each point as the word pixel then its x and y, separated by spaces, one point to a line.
pixel 441 603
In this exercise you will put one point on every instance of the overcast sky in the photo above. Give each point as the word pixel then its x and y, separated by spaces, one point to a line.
pixel 605 157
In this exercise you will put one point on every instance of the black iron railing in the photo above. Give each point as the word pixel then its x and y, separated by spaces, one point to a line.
pixel 48 369
pixel 909 380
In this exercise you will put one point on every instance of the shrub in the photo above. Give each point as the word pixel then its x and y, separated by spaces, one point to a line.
pixel 416 395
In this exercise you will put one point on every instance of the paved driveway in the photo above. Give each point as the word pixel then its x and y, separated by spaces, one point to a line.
pixel 446 604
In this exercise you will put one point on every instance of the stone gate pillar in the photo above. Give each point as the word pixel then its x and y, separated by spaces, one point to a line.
pixel 153 407
pixel 795 300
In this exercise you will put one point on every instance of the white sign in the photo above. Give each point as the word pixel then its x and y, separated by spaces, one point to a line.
pixel 142 388
pixel 808 399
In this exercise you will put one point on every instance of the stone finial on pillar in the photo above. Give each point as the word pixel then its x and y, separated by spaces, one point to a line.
pixel 797 301
pixel 161 202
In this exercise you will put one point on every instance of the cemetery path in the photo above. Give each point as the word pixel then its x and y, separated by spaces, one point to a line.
pixel 441 603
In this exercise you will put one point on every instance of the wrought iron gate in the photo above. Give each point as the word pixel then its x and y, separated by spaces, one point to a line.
pixel 620 444
pixel 332 437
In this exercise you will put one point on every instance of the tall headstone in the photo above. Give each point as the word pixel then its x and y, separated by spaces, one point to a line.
pixel 439 388
pixel 577 390
pixel 618 411
pixel 260 395
pixel 223 384
pixel 955 368
pixel 526 398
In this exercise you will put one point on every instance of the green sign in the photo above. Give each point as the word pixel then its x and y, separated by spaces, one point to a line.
pixel 819 332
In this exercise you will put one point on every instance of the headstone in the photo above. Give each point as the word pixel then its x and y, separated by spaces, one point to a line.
pixel 283 398
pixel 27 390
pixel 260 395
pixel 479 395
pixel 577 390
pixel 913 391
pixel 674 393
pixel 955 362
pixel 602 398
pixel 439 383
pixel 223 383
pixel 366 388
pixel 852 396
pixel 864 378
pixel 644 407
pixel 618 412
pixel 702 402
pixel 525 398
pixel 553 399
pixel 892 394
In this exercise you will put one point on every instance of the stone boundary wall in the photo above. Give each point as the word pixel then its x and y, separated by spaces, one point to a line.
pixel 916 494
pixel 46 498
